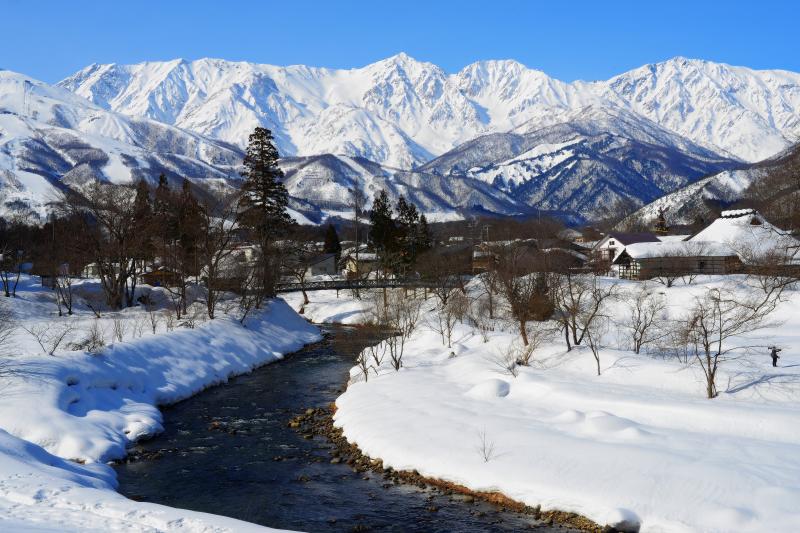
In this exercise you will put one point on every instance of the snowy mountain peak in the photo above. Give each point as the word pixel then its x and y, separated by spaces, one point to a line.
pixel 403 112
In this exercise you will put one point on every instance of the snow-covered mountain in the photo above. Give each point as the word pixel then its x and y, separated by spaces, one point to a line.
pixel 598 159
pixel 696 201
pixel 402 112
pixel 51 139
pixel 325 182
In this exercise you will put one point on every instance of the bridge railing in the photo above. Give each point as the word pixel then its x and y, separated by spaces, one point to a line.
pixel 358 284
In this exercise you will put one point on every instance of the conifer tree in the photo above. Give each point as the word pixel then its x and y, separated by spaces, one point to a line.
pixel 382 230
pixel 164 216
pixel 332 243
pixel 264 196
pixel 407 232
pixel 424 238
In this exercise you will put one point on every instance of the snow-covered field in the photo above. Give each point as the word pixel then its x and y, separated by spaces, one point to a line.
pixel 638 443
pixel 78 406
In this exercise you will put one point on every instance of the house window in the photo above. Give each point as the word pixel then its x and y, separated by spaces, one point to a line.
pixel 611 242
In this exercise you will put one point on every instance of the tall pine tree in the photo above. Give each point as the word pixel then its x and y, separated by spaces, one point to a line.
pixel 383 232
pixel 424 238
pixel 407 232
pixel 332 244
pixel 264 196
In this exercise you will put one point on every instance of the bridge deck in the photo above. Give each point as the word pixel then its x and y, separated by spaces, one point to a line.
pixel 358 284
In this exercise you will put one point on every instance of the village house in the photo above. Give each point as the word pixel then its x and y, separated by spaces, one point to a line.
pixel 484 258
pixel 610 246
pixel 646 260
pixel 322 265
pixel 359 263
pixel 739 240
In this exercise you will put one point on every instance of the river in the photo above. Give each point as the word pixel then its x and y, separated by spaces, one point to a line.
pixel 228 450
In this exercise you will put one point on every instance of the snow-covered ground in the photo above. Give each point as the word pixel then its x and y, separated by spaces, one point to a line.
pixel 639 443
pixel 328 307
pixel 77 406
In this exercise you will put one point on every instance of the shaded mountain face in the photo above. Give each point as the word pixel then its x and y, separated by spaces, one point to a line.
pixel 51 139
pixel 402 113
pixel 768 185
pixel 326 181
pixel 596 161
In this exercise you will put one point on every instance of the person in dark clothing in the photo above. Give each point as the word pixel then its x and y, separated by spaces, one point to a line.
pixel 774 355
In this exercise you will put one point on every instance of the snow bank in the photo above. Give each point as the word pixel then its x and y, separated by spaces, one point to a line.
pixel 638 444
pixel 326 307
pixel 89 408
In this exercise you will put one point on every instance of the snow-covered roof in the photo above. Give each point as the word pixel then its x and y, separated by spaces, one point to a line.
pixel 748 233
pixel 626 239
pixel 672 238
pixel 646 250
pixel 736 213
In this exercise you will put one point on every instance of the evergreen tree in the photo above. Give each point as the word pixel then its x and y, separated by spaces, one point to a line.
pixel 189 225
pixel 164 216
pixel 407 232
pixel 424 238
pixel 332 243
pixel 264 197
pixel 382 233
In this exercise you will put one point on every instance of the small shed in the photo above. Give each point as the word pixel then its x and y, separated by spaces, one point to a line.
pixel 322 265
pixel 161 277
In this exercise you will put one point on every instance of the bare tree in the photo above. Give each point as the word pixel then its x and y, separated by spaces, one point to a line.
pixel 720 314
pixel 220 222
pixel 485 446
pixel 7 327
pixel 297 263
pixel 442 321
pixel 645 317
pixel 489 283
pixel 119 327
pixel 95 339
pixel 106 216
pixel 401 315
pixel 364 365
pixel 579 300
pixel 480 314
pixel 49 336
pixel 11 264
pixel 63 287
pixel 525 290
pixel 595 332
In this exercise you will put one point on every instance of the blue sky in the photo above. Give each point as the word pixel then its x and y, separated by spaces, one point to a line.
pixel 588 40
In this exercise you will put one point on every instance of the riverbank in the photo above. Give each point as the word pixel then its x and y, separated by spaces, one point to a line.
pixel 64 415
pixel 235 446
pixel 636 447
pixel 320 422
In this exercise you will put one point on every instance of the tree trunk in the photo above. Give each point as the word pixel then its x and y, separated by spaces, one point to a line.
pixel 523 332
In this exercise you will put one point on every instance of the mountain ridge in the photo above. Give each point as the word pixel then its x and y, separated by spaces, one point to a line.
pixel 403 112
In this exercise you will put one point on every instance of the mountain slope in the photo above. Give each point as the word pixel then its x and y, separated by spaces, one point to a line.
pixel 51 139
pixel 325 182
pixel 402 112
pixel 597 159
pixel 695 201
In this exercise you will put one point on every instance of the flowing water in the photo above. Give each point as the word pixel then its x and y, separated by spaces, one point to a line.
pixel 229 451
